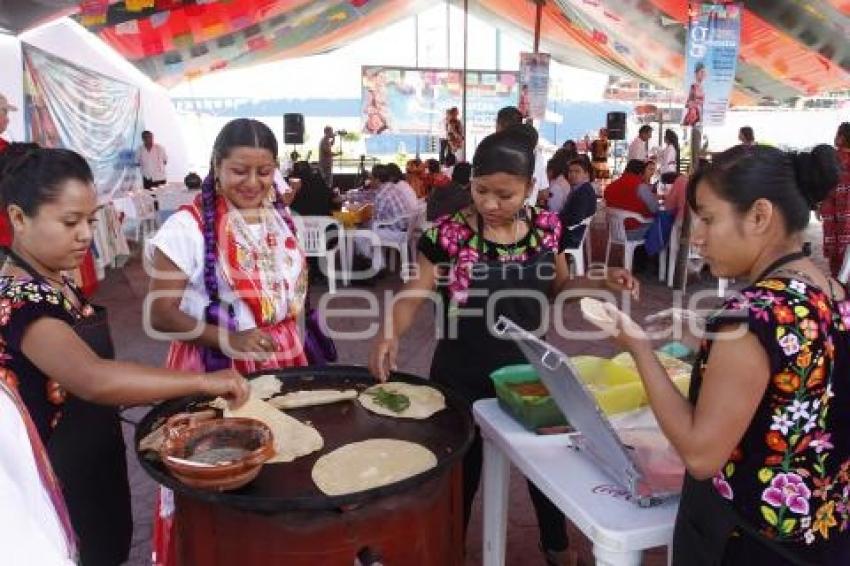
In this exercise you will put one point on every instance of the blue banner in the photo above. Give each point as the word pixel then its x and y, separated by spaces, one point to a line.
pixel 714 34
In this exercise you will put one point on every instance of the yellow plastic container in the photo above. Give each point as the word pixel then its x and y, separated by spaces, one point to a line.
pixel 617 388
pixel 679 371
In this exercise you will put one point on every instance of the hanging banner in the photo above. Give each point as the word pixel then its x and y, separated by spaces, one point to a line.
pixel 95 115
pixel 714 34
pixel 401 100
pixel 533 85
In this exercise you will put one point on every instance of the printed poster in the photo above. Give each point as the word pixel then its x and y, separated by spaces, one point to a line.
pixel 714 34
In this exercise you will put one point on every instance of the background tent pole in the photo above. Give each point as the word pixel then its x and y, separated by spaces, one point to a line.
pixel 685 236
pixel 465 66
pixel 537 21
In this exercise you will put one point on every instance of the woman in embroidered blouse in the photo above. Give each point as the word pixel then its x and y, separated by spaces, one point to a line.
pixel 51 201
pixel 229 276
pixel 496 245
pixel 835 210
pixel 765 432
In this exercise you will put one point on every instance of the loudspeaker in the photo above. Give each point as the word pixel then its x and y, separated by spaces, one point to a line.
pixel 616 125
pixel 293 129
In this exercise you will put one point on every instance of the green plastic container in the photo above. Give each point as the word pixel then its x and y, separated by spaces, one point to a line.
pixel 533 412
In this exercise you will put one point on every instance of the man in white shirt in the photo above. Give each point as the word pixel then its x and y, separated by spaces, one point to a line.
pixel 152 160
pixel 639 148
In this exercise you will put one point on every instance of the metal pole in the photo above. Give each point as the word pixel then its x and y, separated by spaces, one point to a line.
pixel 448 34
pixel 416 63
pixel 685 236
pixel 537 22
pixel 465 66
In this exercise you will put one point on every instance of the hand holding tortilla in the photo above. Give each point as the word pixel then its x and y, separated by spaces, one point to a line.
pixel 369 464
pixel 402 400
pixel 265 386
pixel 620 326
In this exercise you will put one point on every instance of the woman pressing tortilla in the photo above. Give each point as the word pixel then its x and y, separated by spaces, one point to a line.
pixel 495 245
pixel 56 350
pixel 765 430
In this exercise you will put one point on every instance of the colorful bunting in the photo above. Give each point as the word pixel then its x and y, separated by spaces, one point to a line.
pixel 138 5
pixel 93 12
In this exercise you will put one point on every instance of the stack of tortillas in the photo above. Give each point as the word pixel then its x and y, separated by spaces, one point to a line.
pixel 369 464
pixel 424 400
pixel 292 438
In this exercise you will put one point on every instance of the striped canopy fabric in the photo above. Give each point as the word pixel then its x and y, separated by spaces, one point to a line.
pixel 790 48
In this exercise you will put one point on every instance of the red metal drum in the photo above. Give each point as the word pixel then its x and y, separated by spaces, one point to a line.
pixel 282 518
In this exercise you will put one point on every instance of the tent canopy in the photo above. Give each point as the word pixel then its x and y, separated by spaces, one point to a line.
pixel 789 48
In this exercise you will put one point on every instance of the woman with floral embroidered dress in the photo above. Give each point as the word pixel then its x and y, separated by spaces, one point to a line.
pixel 229 273
pixel 495 245
pixel 55 355
pixel 835 209
pixel 765 430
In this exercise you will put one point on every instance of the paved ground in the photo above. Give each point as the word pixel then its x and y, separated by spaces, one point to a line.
pixel 123 293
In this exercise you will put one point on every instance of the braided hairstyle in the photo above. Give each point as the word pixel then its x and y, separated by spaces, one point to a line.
pixel 242 132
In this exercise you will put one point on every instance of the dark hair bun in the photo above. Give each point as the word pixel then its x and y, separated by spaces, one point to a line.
pixel 508 151
pixel 817 172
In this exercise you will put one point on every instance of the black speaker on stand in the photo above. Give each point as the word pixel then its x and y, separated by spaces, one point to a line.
pixel 616 126
pixel 293 129
pixel 615 123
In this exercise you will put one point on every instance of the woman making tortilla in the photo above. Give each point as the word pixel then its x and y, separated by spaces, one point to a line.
pixel 765 430
pixel 230 266
pixel 55 349
pixel 495 244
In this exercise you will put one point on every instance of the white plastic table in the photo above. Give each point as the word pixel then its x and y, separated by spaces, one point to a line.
pixel 619 529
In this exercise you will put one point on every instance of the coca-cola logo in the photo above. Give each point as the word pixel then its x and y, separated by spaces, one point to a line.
pixel 612 491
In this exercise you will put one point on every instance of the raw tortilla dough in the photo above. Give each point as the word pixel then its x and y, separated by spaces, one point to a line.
pixel 311 397
pixel 372 463
pixel 265 386
pixel 594 311
pixel 292 438
pixel 424 400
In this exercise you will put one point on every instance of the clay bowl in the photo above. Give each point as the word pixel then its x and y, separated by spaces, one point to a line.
pixel 219 454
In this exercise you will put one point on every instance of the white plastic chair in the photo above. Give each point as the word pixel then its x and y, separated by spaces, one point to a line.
pixel 844 273
pixel 577 253
pixel 617 235
pixel 672 252
pixel 405 242
pixel 313 237
pixel 145 216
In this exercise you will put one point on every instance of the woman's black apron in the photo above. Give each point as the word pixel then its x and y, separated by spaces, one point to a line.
pixel 88 455
pixel 464 361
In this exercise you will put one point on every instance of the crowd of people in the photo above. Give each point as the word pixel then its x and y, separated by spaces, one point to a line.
pixel 764 432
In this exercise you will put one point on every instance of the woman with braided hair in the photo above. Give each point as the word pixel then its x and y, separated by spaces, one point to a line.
pixel 56 367
pixel 228 275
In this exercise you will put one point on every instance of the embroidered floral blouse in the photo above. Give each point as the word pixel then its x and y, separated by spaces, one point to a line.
pixel 22 302
pixel 790 475
pixel 455 246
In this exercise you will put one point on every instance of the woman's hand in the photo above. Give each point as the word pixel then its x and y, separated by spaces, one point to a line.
pixel 227 383
pixel 618 279
pixel 624 331
pixel 252 344
pixel 687 326
pixel 382 358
